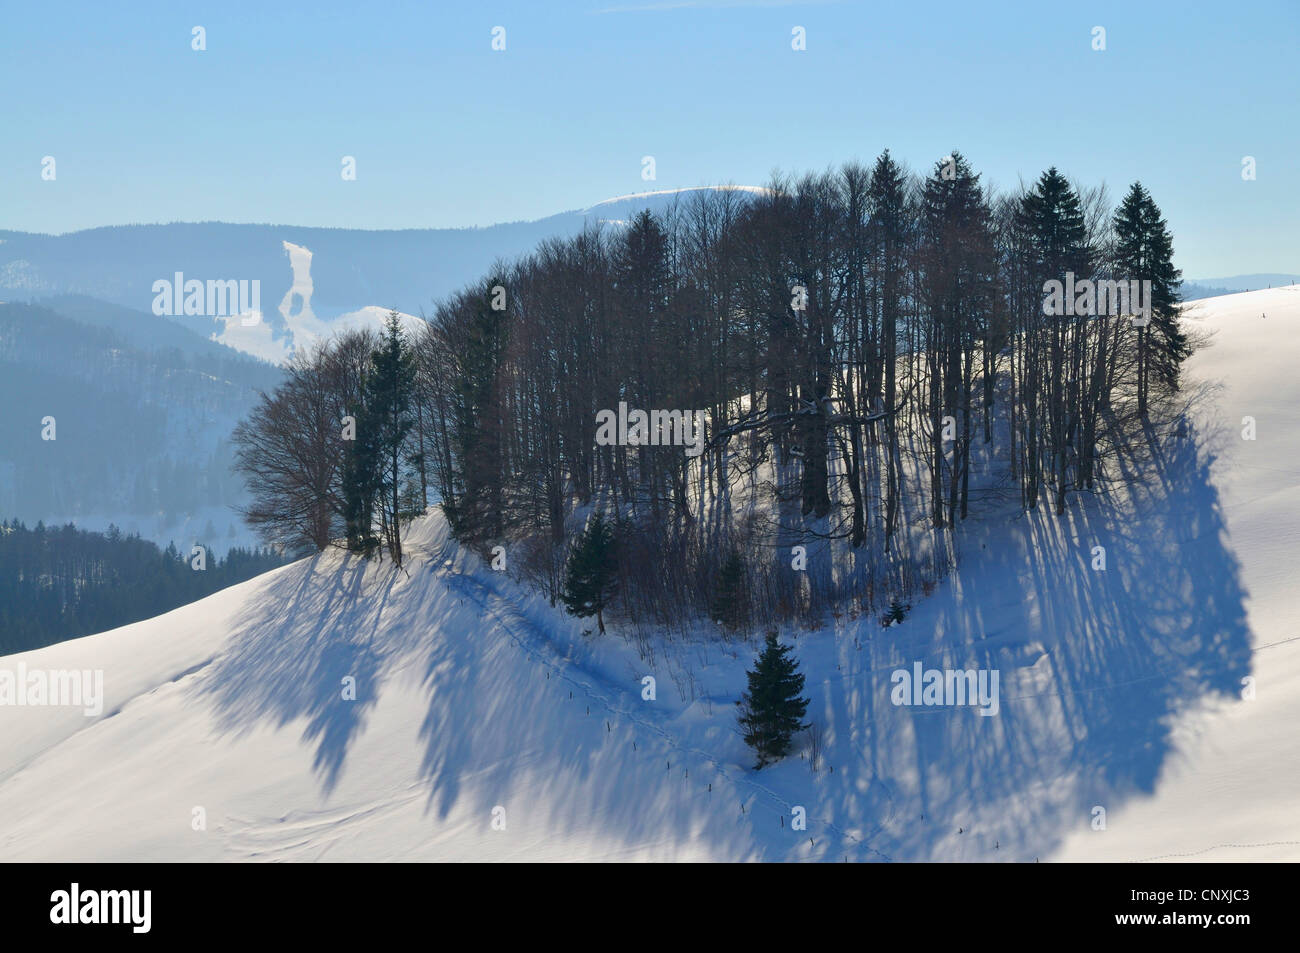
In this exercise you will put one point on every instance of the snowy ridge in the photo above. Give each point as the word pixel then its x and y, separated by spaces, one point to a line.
pixel 658 193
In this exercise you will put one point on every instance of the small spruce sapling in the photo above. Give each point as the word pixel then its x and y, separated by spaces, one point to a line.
pixel 731 599
pixel 896 614
pixel 772 709
pixel 591 575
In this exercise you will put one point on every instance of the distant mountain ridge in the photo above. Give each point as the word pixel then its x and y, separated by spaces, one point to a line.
pixel 1196 288
pixel 141 411
pixel 145 402
pixel 351 269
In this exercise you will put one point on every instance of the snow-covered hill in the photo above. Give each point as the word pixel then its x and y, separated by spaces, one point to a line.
pixel 485 724
pixel 1228 791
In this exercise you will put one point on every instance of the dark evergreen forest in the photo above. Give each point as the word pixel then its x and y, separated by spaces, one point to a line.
pixel 60 583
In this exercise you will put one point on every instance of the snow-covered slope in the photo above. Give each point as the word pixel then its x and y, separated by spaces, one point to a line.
pixel 235 705
pixel 478 707
pixel 1230 788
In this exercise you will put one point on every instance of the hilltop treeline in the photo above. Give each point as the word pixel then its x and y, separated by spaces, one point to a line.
pixel 60 583
pixel 856 342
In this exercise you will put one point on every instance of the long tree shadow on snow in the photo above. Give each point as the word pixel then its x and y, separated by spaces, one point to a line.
pixel 290 652
pixel 573 757
pixel 495 730
pixel 1094 666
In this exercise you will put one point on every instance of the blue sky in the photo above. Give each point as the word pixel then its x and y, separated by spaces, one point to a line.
pixel 448 132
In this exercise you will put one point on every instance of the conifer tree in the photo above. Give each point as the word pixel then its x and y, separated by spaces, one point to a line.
pixel 592 572
pixel 361 487
pixel 373 460
pixel 390 388
pixel 888 231
pixel 1144 252
pixel 897 613
pixel 480 343
pixel 959 264
pixel 1053 218
pixel 772 710
pixel 731 599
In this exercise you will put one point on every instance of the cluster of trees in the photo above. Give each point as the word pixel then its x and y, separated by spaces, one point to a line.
pixel 850 336
pixel 860 343
pixel 60 583
pixel 333 454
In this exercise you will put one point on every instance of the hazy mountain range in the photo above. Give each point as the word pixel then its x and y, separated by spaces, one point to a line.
pixel 144 403
pixel 1195 288
pixel 318 274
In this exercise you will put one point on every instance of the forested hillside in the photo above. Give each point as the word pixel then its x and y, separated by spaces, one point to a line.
pixel 120 416
pixel 785 402
pixel 60 583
